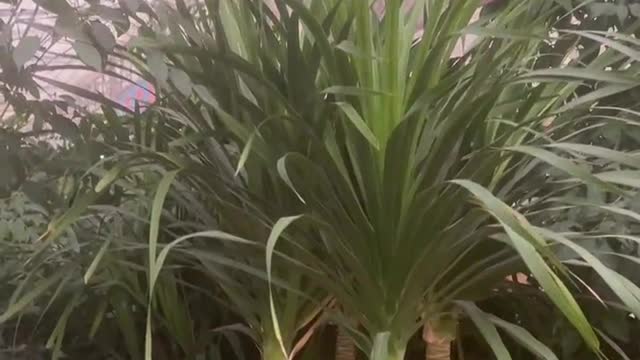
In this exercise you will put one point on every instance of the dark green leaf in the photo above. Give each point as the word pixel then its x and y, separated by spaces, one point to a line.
pixel 525 338
pixel 181 81
pixel 157 67
pixel 354 117
pixel 205 95
pixel 103 36
pixel 25 50
pixel 88 54
pixel 487 329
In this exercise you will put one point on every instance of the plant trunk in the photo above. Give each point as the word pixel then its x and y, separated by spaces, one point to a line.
pixel 438 341
pixel 345 347
pixel 271 351
pixel 395 348
pixel 396 355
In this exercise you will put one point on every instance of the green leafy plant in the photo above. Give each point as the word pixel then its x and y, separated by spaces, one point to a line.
pixel 377 126
pixel 334 151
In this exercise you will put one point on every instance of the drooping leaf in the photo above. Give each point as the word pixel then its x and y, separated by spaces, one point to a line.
pixel 487 329
pixel 278 228
pixel 629 295
pixel 525 338
pixel 578 74
pixel 525 240
pixel 154 268
pixel 619 157
pixel 566 165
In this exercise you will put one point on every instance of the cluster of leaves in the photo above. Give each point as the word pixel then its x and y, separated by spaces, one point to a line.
pixel 282 76
pixel 26 61
pixel 611 124
pixel 316 160
pixel 85 289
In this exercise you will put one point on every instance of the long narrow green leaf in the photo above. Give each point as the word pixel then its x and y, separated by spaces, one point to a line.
pixel 96 261
pixel 245 153
pixel 613 345
pixel 57 335
pixel 154 221
pixel 359 123
pixel 99 316
pixel 621 177
pixel 156 212
pixel 35 291
pixel 629 296
pixel 591 97
pixel 279 227
pixel 520 236
pixel 616 45
pixel 565 165
pixel 556 290
pixel 487 329
pixel 576 74
pixel 525 338
pixel 619 157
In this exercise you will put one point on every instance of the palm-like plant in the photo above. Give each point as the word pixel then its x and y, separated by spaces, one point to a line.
pixel 387 126
pixel 366 140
